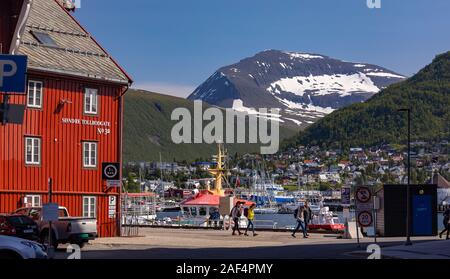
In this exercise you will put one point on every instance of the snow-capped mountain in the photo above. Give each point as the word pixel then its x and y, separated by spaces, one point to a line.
pixel 304 86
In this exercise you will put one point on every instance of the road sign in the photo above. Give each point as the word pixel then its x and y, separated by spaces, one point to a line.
pixel 113 183
pixel 112 206
pixel 111 171
pixel 363 194
pixel 50 212
pixel 365 218
pixel 364 206
pixel 12 73
pixel 345 196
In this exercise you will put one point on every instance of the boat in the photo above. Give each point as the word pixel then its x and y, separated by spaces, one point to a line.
pixel 266 210
pixel 168 206
pixel 326 220
pixel 323 218
pixel 197 209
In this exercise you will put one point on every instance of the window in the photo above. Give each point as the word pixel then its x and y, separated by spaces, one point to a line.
pixel 89 154
pixel 202 211
pixel 32 151
pixel 34 99
pixel 90 101
pixel 44 38
pixel 89 206
pixel 32 201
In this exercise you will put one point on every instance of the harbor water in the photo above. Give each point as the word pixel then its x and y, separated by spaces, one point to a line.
pixel 282 220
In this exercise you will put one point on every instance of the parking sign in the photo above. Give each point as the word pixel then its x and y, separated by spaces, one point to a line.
pixel 12 73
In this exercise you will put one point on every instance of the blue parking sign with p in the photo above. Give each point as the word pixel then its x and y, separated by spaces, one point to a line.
pixel 13 70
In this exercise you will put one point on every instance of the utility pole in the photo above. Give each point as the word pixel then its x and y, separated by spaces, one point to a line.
pixel 50 250
pixel 408 187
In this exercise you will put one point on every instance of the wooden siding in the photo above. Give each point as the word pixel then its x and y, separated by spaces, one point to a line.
pixel 61 148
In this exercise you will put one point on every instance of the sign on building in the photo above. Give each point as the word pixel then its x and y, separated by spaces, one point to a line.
pixel 13 69
pixel 111 171
pixel 112 204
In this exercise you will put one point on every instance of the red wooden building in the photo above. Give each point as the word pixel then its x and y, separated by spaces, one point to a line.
pixel 73 117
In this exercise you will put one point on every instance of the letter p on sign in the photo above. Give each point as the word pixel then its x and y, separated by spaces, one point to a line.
pixel 12 73
pixel 5 73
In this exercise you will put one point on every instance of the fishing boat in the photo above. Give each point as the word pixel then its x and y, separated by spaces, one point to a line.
pixel 197 209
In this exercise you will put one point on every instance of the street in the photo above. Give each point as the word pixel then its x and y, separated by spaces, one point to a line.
pixel 153 243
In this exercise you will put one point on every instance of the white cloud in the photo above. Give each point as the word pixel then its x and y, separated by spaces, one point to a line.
pixel 178 90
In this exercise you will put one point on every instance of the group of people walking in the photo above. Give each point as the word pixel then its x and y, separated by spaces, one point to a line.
pixel 302 214
pixel 238 211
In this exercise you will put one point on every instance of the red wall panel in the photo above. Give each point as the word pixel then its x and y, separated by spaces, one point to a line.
pixel 61 148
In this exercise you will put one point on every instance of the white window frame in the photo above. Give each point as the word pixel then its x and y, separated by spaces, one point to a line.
pixel 90 105
pixel 90 161
pixel 89 206
pixel 35 142
pixel 33 92
pixel 32 200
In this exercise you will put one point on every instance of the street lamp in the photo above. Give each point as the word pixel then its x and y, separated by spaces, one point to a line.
pixel 408 187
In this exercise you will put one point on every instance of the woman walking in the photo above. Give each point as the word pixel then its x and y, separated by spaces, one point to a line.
pixel 250 217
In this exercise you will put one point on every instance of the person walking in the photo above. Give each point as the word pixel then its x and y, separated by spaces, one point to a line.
pixel 446 224
pixel 307 215
pixel 250 217
pixel 236 214
pixel 299 213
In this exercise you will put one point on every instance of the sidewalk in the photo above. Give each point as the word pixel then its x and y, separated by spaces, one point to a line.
pixel 437 249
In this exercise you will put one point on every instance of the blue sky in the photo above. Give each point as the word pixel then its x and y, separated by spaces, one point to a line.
pixel 171 46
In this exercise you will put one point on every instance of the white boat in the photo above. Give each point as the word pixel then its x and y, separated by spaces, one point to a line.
pixel 266 210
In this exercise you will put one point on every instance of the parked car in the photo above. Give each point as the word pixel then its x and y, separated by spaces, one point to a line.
pixel 18 225
pixel 75 230
pixel 18 248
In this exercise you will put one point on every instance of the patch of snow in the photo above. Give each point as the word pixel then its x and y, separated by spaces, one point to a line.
pixel 359 65
pixel 388 75
pixel 297 122
pixel 345 85
pixel 238 105
pixel 305 56
pixel 306 107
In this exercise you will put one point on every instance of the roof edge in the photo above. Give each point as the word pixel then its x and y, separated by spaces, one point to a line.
pixel 79 75
pixel 130 80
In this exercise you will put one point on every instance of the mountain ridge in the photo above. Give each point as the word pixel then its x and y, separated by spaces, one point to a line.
pixel 148 125
pixel 378 121
pixel 304 86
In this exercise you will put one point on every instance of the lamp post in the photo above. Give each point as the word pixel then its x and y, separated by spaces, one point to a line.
pixel 408 187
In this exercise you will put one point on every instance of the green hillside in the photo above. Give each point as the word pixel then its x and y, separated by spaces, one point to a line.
pixel 377 121
pixel 147 128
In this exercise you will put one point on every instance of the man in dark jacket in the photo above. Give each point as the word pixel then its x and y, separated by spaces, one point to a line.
pixel 236 214
pixel 446 224
pixel 307 215
pixel 300 216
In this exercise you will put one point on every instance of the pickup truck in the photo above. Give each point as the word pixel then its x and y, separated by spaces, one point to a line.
pixel 74 230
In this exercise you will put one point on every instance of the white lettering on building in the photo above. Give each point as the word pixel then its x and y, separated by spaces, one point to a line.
pixel 103 127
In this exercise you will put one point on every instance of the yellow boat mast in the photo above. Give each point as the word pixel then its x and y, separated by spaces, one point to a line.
pixel 218 171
